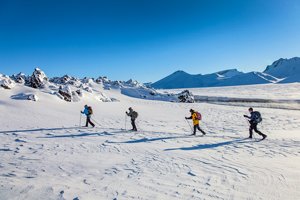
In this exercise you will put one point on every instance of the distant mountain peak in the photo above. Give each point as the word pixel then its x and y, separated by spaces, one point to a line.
pixel 283 68
pixel 229 72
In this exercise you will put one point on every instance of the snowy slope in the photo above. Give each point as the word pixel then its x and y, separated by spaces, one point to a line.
pixel 250 78
pixel 285 68
pixel 46 154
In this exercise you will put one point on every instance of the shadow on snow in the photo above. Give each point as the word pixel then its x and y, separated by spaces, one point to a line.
pixel 40 129
pixel 72 135
pixel 207 146
pixel 151 140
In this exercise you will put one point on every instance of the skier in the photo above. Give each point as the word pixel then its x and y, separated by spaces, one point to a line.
pixel 133 114
pixel 88 112
pixel 196 119
pixel 253 124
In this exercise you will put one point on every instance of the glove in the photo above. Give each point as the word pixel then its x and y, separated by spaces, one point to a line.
pixel 185 117
pixel 245 116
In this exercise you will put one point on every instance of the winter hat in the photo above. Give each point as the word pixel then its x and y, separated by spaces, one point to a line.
pixel 191 110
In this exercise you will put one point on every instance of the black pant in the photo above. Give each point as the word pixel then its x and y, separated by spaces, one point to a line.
pixel 253 126
pixel 133 124
pixel 198 127
pixel 88 120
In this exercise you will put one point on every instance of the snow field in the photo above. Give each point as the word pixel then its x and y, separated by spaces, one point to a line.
pixel 46 155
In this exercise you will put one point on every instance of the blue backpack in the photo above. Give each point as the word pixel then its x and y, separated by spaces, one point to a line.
pixel 258 117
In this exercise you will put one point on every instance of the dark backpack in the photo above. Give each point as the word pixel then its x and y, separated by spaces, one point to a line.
pixel 198 116
pixel 90 110
pixel 135 114
pixel 258 117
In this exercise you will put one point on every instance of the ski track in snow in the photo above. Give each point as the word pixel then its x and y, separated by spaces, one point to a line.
pixel 161 161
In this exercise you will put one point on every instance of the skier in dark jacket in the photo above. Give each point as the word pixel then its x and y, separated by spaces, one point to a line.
pixel 87 111
pixel 133 115
pixel 195 122
pixel 253 124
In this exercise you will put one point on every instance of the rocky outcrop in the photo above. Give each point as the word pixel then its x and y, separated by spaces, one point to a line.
pixel 38 79
pixel 66 93
pixel 6 82
pixel 21 78
pixel 32 97
pixel 66 79
pixel 186 96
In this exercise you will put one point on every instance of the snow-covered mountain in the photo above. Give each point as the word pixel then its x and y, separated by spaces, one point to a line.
pixel 181 79
pixel 286 69
pixel 281 71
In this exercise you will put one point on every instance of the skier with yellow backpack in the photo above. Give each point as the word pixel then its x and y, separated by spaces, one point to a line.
pixel 196 116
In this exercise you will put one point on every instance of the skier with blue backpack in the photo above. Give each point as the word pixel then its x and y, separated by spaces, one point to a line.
pixel 254 119
pixel 196 116
pixel 88 111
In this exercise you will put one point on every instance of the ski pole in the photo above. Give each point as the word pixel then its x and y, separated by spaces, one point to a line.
pixel 248 123
pixel 189 125
pixel 95 122
pixel 138 126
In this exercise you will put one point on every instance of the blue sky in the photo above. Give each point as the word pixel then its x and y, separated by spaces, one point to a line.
pixel 145 39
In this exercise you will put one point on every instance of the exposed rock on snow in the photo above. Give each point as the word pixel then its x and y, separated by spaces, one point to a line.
pixel 21 78
pixel 80 93
pixel 32 97
pixel 88 89
pixel 105 79
pixel 186 96
pixel 87 80
pixel 6 82
pixel 38 79
pixel 152 92
pixel 99 80
pixel 66 79
pixel 61 80
pixel 132 82
pixel 66 92
pixel 75 97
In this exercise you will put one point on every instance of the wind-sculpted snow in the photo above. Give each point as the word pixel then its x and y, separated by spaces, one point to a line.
pixel 46 154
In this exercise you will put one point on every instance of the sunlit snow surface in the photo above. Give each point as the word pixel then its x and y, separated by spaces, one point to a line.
pixel 46 154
